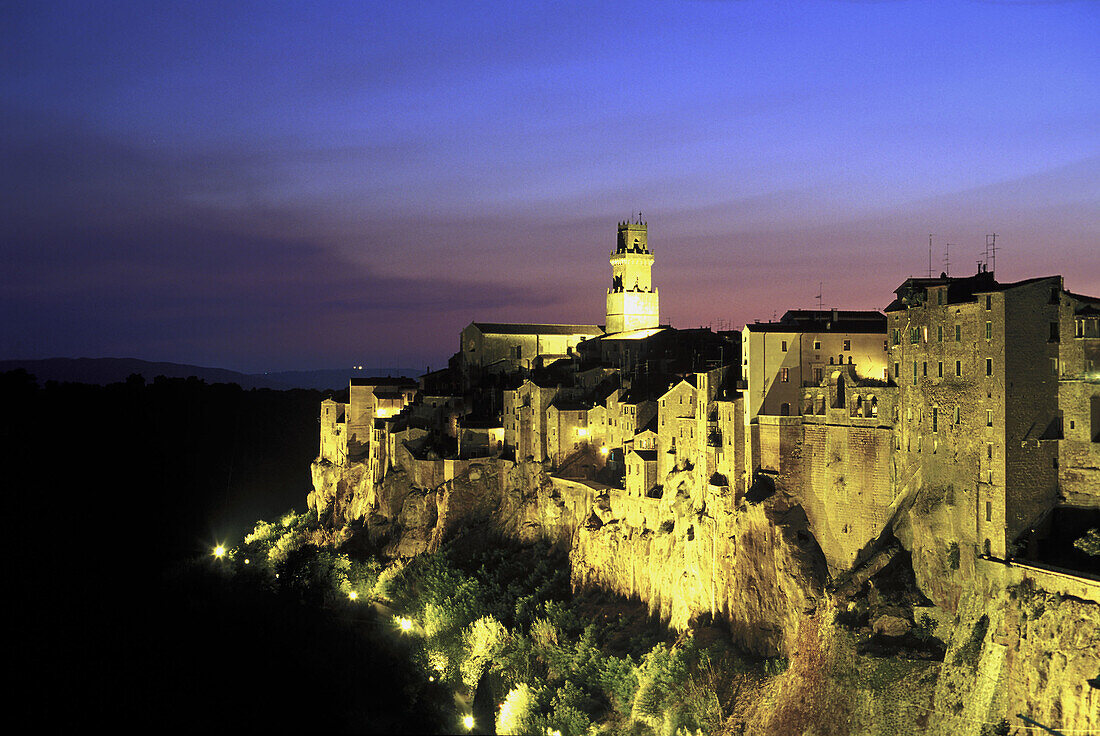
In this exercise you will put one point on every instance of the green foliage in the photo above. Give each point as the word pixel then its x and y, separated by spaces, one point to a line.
pixel 518 711
pixel 1000 729
pixel 484 640
pixel 970 652
pixel 953 555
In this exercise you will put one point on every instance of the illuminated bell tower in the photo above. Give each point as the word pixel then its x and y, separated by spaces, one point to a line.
pixel 632 298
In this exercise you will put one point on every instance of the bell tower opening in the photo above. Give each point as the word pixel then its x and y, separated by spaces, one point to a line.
pixel 632 298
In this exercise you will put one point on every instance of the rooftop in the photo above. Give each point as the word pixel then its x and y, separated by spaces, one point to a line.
pixel 824 320
pixel 505 328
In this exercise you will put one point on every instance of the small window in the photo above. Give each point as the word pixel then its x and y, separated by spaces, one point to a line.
pixel 988 514
pixel 897 338
pixel 958 416
pixel 784 375
pixel 849 360
pixel 1054 366
pixel 939 333
pixel 989 366
pixel 988 330
pixel 988 302
pixel 939 369
pixel 989 417
pixel 897 369
pixel 914 335
pixel 783 346
pixel 817 343
pixel 958 333
pixel 847 344
pixel 915 374
pixel 924 369
pixel 958 368
pixel 989 450
pixel 1053 332
pixel 935 419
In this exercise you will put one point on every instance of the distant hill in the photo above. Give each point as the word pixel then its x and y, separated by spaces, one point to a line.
pixel 103 371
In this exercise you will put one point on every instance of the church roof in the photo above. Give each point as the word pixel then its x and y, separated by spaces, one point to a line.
pixel 505 328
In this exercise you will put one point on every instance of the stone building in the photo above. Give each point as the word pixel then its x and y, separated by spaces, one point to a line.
pixel 780 358
pixel 1079 399
pixel 334 437
pixel 496 347
pixel 977 365
pixel 632 298
pixel 370 399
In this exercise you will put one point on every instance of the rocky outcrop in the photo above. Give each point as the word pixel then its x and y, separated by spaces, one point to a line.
pixel 1020 651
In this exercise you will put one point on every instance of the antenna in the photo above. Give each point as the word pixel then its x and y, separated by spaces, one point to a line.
pixel 819 292
pixel 991 251
pixel 947 258
pixel 929 255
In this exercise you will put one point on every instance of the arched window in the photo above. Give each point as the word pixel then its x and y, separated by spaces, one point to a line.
pixel 988 548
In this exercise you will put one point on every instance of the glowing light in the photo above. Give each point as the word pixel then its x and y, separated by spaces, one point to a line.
pixel 604 450
pixel 468 722
pixel 353 596
pixel 246 561
pixel 219 551
pixel 582 432
pixel 403 623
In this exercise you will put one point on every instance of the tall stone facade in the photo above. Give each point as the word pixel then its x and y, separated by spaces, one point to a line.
pixel 632 298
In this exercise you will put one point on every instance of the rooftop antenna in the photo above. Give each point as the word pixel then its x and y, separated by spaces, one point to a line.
pixel 820 305
pixel 947 258
pixel 929 255
pixel 991 251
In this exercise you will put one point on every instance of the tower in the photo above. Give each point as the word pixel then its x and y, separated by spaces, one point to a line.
pixel 632 298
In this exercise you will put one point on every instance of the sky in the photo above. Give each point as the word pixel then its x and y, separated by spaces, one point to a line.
pixel 278 186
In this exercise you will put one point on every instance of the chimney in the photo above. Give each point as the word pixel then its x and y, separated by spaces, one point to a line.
pixel 834 314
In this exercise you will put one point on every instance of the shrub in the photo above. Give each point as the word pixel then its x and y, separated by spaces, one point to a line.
pixel 518 711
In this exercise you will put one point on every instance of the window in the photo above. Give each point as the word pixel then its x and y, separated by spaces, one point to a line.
pixel 1054 366
pixel 784 375
pixel 783 346
pixel 989 417
pixel 989 450
pixel 915 373
pixel 817 343
pixel 924 369
pixel 958 333
pixel 849 360
pixel 988 302
pixel 988 330
pixel 914 335
pixel 897 369
pixel 935 419
pixel 989 366
pixel 958 368
pixel 885 346
pixel 939 333
pixel 897 338
pixel 958 416
pixel 939 369
pixel 847 344
pixel 1053 332
pixel 988 517
pixel 819 375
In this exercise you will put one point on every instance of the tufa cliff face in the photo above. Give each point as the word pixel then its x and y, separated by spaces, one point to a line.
pixel 694 553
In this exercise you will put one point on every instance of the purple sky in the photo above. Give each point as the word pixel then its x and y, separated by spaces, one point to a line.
pixel 267 186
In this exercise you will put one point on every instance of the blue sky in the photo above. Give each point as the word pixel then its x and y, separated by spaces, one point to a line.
pixel 263 186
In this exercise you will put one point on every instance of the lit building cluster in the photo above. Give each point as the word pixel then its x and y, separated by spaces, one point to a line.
pixel 989 388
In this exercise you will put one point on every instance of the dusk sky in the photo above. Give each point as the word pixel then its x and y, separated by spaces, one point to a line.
pixel 268 186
